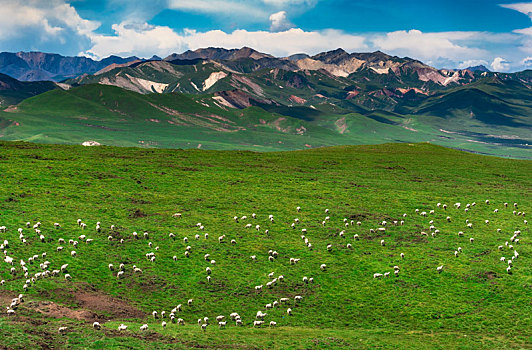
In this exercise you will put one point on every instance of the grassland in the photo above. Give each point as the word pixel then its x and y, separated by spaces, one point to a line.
pixel 472 304
pixel 118 117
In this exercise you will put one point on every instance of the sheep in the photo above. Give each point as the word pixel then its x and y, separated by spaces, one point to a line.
pixel 155 315
pixel 258 288
pixel 222 324
pixel 73 253
pixel 329 247
pixel 273 323
pixel 298 298
pixel 254 257
pixel 402 255
pixel 96 325
pixel 180 322
pixel 377 275
pixel 298 209
pixel 471 240
pixel 305 279
pixel 144 327
pixel 163 324
pixel 323 267
pixel 382 242
pixel 204 327
pixel 257 323
pixel 509 270
pixel 260 315
pixel 439 269
pixel 62 330
pixel 289 311
pixel 209 279
pixel 208 270
pixel 356 237
pixel 238 322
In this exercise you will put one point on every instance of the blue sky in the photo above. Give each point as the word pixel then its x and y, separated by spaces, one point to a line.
pixel 445 34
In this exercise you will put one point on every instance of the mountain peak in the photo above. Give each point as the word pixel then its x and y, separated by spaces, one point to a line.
pixel 479 68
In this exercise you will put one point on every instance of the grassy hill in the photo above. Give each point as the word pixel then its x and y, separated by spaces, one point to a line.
pixel 473 304
pixel 13 91
pixel 115 116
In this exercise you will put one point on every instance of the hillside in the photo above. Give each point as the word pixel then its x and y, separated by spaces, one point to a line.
pixel 473 303
pixel 13 91
pixel 234 119
pixel 216 98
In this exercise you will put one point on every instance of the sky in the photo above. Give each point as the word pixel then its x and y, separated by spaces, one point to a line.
pixel 441 33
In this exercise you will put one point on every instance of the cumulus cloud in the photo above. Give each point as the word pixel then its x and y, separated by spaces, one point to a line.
pixel 145 40
pixel 500 64
pixel 279 22
pixel 428 46
pixel 51 19
pixel 472 63
pixel 527 61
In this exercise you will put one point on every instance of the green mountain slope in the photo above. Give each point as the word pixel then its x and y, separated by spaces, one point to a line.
pixel 114 116
pixel 13 91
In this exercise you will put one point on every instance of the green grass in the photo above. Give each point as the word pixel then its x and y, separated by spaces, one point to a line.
pixel 474 303
pixel 118 117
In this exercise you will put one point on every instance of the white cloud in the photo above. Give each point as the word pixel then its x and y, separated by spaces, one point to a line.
pixel 527 61
pixel 219 7
pixel 284 3
pixel 472 63
pixel 500 64
pixel 50 19
pixel 279 22
pixel 143 40
pixel 428 46
pixel 523 7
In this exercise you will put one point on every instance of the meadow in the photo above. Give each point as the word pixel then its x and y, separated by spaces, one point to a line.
pixel 472 304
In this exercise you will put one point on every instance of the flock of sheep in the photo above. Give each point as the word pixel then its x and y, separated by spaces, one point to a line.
pixel 20 266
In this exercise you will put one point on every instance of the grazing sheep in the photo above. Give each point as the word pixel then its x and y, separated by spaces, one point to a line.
pixel 377 275
pixel 204 327
pixel 122 327
pixel 439 269
pixel 402 255
pixel 257 323
pixel 62 330
pixel 144 327
pixel 96 325
pixel 289 311
pixel 273 323
pixel 222 324
pixel 323 267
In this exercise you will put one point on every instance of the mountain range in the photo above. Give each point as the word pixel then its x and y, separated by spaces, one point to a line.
pixel 245 99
